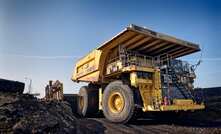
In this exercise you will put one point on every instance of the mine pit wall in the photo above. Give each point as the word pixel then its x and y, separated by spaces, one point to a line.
pixel 11 86
pixel 208 94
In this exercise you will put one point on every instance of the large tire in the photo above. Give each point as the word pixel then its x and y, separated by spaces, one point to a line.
pixel 118 102
pixel 88 101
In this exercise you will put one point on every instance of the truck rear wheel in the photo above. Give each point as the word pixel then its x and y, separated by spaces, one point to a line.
pixel 118 102
pixel 88 101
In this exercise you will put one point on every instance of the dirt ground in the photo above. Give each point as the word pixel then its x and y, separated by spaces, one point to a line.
pixel 23 113
pixel 148 126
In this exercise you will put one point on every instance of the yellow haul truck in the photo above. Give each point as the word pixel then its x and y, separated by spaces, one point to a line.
pixel 137 69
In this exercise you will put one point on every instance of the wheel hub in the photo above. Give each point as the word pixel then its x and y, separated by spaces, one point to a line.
pixel 116 102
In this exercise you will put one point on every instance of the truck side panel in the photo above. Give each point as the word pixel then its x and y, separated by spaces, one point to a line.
pixel 87 68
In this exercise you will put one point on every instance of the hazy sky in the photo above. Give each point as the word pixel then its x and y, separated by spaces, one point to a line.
pixel 42 39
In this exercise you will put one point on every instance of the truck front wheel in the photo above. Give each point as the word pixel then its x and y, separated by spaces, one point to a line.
pixel 118 102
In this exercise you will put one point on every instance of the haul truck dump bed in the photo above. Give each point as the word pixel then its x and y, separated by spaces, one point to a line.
pixel 133 38
pixel 137 69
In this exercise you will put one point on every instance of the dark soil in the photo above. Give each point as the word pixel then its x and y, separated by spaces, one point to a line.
pixel 23 113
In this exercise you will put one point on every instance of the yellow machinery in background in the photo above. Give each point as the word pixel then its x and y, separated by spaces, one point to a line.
pixel 54 91
pixel 137 69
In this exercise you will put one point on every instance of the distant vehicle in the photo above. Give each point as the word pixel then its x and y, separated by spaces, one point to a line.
pixel 137 69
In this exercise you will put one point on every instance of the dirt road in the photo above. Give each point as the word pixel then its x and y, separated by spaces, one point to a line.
pixel 100 125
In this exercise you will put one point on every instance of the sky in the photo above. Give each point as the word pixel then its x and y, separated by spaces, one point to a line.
pixel 42 39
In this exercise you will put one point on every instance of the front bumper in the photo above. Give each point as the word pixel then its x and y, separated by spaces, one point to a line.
pixel 175 107
pixel 182 107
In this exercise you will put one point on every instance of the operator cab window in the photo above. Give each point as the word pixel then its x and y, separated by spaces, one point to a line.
pixel 144 75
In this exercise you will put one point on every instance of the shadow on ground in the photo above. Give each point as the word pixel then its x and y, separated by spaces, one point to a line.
pixel 101 125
